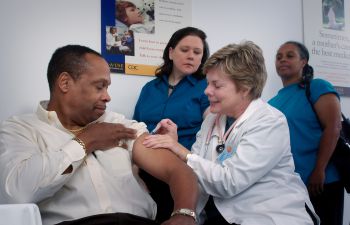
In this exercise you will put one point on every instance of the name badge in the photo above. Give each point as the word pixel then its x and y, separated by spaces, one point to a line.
pixel 227 153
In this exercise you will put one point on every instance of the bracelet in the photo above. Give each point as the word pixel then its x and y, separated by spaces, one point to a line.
pixel 185 212
pixel 81 143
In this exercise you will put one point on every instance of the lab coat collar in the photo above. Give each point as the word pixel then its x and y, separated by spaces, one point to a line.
pixel 252 108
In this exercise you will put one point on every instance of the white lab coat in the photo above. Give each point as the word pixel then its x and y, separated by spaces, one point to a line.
pixel 257 184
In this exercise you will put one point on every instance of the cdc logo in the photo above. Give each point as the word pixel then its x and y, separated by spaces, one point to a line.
pixel 132 67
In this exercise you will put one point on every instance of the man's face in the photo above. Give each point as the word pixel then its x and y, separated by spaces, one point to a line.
pixel 88 95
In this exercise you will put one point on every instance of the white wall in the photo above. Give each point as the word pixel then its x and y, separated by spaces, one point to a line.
pixel 32 29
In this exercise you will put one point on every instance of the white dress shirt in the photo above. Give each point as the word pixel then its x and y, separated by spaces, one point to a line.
pixel 111 40
pixel 36 149
pixel 254 183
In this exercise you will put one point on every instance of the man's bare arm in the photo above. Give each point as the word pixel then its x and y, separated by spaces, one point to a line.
pixel 167 167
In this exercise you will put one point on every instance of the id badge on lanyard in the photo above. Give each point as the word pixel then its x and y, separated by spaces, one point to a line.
pixel 224 149
pixel 228 152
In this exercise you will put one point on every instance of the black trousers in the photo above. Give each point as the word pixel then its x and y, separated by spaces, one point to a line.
pixel 111 219
pixel 329 205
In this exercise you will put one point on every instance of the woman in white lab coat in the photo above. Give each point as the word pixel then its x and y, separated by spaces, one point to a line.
pixel 242 153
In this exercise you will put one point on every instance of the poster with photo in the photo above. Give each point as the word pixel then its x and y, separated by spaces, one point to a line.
pixel 327 36
pixel 134 33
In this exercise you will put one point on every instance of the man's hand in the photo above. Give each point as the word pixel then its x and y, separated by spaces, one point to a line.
pixel 103 136
pixel 179 220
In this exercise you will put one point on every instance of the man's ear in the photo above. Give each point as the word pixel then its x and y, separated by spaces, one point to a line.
pixel 63 81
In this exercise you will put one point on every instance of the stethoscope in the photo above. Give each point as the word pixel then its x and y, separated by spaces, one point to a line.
pixel 222 138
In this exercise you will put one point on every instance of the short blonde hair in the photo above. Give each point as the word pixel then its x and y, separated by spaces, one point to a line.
pixel 244 63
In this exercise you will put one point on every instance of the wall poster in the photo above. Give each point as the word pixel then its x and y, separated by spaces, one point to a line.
pixel 135 32
pixel 327 36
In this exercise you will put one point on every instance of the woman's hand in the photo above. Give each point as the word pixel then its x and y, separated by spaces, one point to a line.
pixel 166 137
pixel 316 181
pixel 166 126
pixel 162 141
pixel 166 141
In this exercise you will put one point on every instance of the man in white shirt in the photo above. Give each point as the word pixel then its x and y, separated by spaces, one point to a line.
pixel 73 158
pixel 112 43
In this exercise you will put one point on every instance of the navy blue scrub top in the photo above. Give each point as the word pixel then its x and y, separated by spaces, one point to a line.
pixel 184 106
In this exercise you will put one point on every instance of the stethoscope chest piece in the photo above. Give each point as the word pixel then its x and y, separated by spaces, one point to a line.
pixel 220 148
pixel 222 138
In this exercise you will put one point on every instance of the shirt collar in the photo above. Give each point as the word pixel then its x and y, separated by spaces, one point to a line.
pixel 50 117
pixel 189 78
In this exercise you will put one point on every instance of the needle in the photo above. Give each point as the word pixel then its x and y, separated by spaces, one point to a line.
pixel 155 130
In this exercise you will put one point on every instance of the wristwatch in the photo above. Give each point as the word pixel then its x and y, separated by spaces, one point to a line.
pixel 185 212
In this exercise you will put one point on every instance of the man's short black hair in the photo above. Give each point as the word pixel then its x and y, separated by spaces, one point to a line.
pixel 70 59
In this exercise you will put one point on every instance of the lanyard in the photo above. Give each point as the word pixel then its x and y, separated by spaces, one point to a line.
pixel 222 138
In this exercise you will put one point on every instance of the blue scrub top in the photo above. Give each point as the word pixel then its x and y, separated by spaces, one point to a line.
pixel 305 130
pixel 185 106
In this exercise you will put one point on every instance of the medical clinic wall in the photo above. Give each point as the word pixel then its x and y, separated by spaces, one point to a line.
pixel 31 30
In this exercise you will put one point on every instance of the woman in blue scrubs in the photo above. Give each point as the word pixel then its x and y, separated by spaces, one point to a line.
pixel 176 93
pixel 313 137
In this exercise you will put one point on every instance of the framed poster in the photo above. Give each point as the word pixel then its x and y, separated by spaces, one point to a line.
pixel 327 36
pixel 134 33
